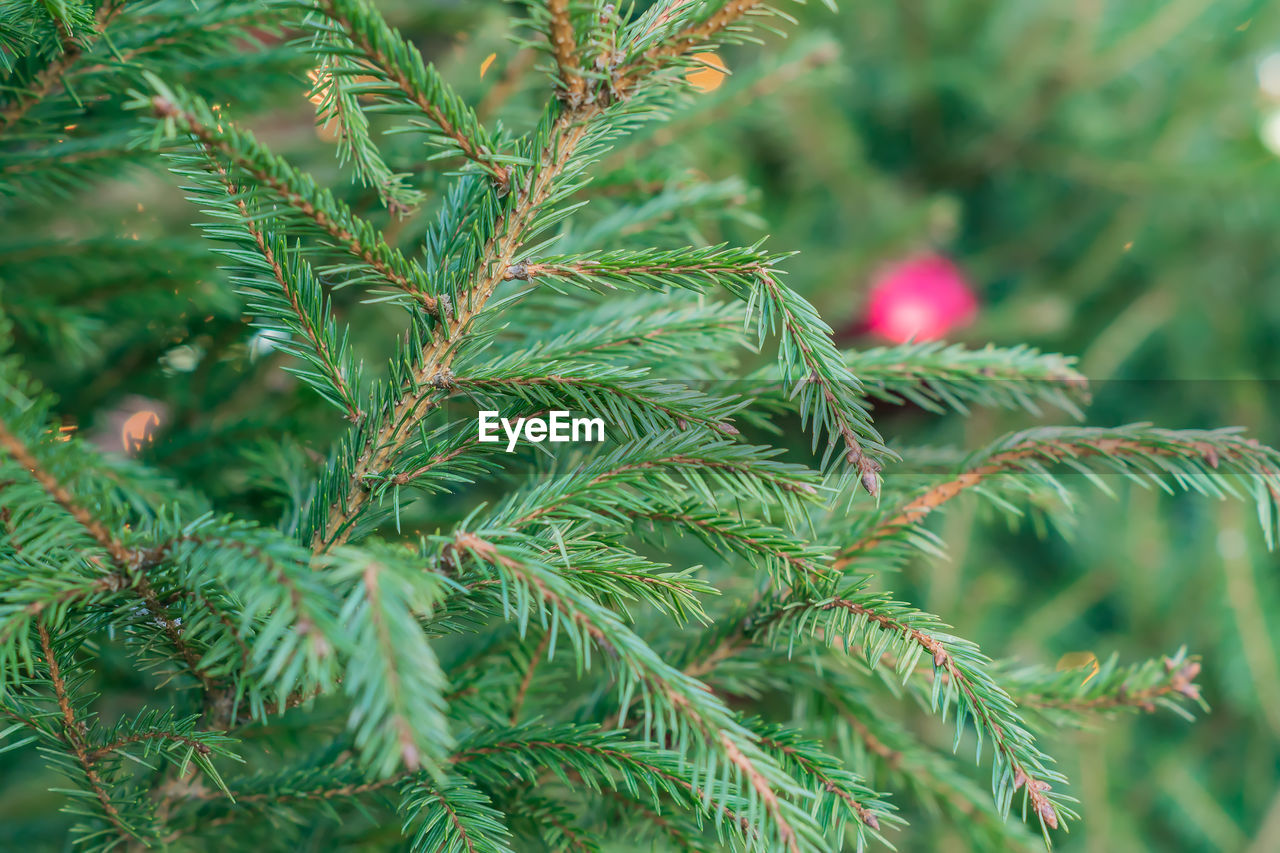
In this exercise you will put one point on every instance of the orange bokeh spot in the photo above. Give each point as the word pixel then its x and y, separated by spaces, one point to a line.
pixel 712 73
pixel 1080 660
pixel 138 430
pixel 320 91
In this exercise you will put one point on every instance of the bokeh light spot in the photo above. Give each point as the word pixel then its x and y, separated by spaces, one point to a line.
pixel 138 430
pixel 712 73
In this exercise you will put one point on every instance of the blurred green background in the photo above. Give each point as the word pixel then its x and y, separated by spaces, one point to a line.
pixel 1104 174
pixel 1101 172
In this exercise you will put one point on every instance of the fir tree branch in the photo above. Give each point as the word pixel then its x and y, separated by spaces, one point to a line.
pixel 738 470
pixel 131 562
pixel 174 631
pixel 785 555
pixel 931 777
pixel 682 836
pixel 969 686
pixel 1194 459
pixel 687 703
pixel 315 333
pixel 828 392
pixel 617 392
pixel 298 190
pixel 692 268
pixel 397 685
pixel 73 736
pixel 691 33
pixel 103 751
pixel 401 63
pixel 599 757
pixel 454 817
pixel 556 824
pixel 17 617
pixel 850 797
pixel 566 131
pixel 1168 682
pixel 708 28
pixel 935 375
pixel 337 94
pixel 127 558
pixel 50 79
pixel 422 391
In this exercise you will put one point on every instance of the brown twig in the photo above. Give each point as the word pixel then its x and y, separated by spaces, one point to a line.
pixel 564 46
pixel 864 814
pixel 1005 461
pixel 73 735
pixel 527 680
pixel 377 258
pixel 125 557
pixel 943 660
pixel 105 750
pixel 52 77
pixel 423 392
pixel 313 334
pixel 480 155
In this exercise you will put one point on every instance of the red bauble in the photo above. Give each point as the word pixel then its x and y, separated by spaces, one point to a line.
pixel 921 298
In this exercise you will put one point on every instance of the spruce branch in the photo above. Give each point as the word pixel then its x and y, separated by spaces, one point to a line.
pixel 685 706
pixel 936 376
pixel 885 749
pixel 420 391
pixel 683 834
pixel 846 798
pixel 566 129
pixel 709 27
pixel 454 817
pixel 52 78
pixel 410 657
pixel 633 404
pixel 638 476
pixel 131 565
pixel 1212 462
pixel 399 713
pixel 603 759
pixel 787 557
pixel 678 26
pixel 295 188
pixel 387 54
pixel 305 310
pixel 556 824
pixel 1070 698
pixel 72 734
pixel 829 395
pixel 125 557
pixel 692 268
pixel 337 89
pixel 852 616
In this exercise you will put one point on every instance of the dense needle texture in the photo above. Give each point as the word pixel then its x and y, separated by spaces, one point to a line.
pixel 379 630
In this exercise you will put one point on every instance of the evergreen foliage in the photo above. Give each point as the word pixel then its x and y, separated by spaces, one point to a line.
pixel 416 633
